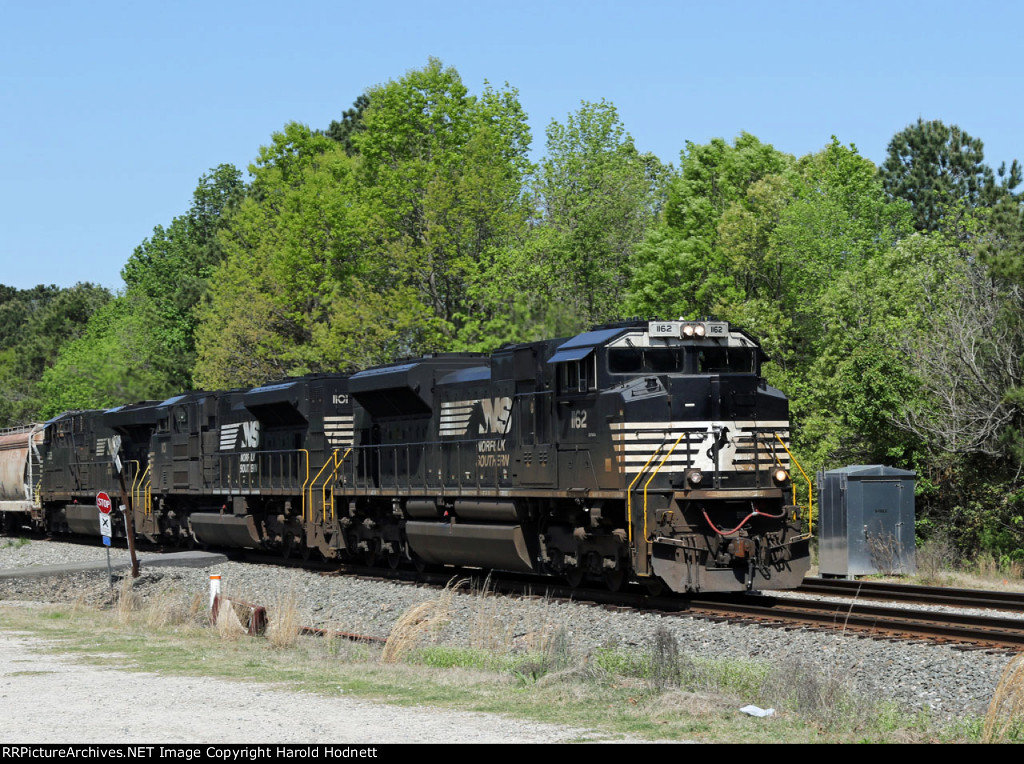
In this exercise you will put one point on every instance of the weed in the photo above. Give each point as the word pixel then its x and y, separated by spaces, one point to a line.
pixel 128 600
pixel 283 622
pixel 935 557
pixel 884 550
pixel 1004 721
pixel 419 622
pixel 990 566
pixel 818 693
pixel 666 662
pixel 228 624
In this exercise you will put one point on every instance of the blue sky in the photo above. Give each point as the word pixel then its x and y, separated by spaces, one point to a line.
pixel 110 111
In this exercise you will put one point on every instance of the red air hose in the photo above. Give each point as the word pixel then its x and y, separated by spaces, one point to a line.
pixel 754 513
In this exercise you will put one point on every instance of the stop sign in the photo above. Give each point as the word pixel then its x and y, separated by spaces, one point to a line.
pixel 103 502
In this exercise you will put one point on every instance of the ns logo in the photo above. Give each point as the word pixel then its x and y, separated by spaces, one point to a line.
pixel 497 416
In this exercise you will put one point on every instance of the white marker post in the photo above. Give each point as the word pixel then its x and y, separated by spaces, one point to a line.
pixel 214 590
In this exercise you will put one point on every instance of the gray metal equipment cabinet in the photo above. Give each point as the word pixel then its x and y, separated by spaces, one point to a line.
pixel 866 521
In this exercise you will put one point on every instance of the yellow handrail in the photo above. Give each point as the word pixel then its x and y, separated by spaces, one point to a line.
pixel 312 484
pixel 654 474
pixel 135 479
pixel 629 492
pixel 810 488
pixel 142 485
pixel 333 473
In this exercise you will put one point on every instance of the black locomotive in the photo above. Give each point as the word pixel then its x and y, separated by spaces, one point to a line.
pixel 647 451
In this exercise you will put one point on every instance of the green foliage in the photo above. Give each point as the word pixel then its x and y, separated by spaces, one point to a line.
pixel 338 261
pixel 940 170
pixel 441 656
pixel 597 197
pixel 112 363
pixel 1000 240
pixel 34 324
pixel 681 269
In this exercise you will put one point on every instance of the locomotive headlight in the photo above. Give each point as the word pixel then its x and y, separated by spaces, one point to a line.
pixel 699 330
pixel 694 477
pixel 780 476
pixel 688 330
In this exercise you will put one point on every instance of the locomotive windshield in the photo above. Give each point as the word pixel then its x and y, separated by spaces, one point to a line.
pixel 725 361
pixel 680 360
pixel 639 360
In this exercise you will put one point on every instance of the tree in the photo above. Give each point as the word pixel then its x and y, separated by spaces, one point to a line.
pixel 941 171
pixel 349 125
pixel 680 269
pixel 170 273
pixel 969 358
pixel 597 196
pixel 336 261
pixel 1000 239
pixel 284 246
pixel 35 324
pixel 442 176
pixel 116 360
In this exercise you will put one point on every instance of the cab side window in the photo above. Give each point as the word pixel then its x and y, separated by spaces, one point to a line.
pixel 578 376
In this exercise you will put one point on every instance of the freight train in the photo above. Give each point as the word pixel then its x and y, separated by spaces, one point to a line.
pixel 643 451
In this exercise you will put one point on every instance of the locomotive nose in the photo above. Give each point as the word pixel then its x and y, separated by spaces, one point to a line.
pixel 716 398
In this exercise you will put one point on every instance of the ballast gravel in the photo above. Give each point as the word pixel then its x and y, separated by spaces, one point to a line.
pixel 946 682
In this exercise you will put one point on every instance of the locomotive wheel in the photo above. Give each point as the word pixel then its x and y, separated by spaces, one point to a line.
pixel 574 576
pixel 287 544
pixel 614 578
pixel 394 559
pixel 370 556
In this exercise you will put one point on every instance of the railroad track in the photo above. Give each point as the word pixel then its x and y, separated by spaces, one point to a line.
pixel 852 616
pixel 962 630
pixel 924 595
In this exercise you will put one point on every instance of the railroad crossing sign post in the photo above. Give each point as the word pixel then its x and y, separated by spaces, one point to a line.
pixel 104 505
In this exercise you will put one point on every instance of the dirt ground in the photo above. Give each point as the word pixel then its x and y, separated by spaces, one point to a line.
pixel 48 698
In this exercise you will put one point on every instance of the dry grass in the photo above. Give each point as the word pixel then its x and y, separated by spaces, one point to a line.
pixel 128 601
pixel 419 623
pixel 491 631
pixel 228 623
pixel 283 621
pixel 1005 718
pixel 988 566
pixel 165 608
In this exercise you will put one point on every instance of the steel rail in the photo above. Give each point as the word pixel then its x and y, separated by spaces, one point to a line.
pixel 930 595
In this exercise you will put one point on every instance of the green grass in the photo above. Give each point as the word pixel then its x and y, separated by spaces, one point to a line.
pixel 658 694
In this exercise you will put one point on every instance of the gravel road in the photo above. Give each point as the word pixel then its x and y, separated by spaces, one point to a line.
pixel 103 705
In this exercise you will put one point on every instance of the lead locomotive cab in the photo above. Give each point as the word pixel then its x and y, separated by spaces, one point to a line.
pixel 672 439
